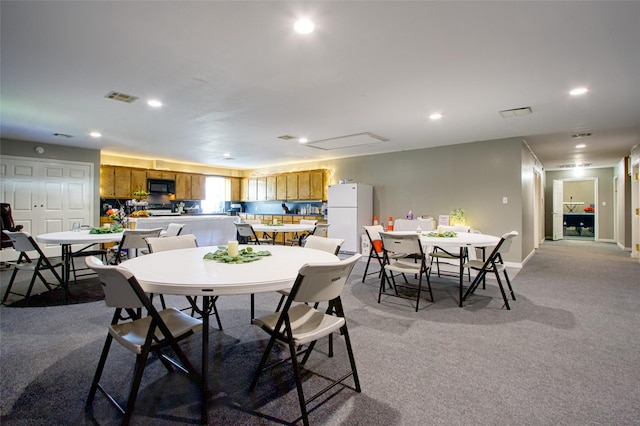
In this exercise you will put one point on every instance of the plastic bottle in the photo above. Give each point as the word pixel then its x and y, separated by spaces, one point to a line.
pixel 390 225
pixel 410 215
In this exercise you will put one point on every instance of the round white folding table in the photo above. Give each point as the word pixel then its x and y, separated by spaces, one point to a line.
pixel 185 272
pixel 462 241
pixel 67 238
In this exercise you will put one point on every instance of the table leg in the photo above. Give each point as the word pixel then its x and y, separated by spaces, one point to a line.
pixel 66 261
pixel 461 261
pixel 205 312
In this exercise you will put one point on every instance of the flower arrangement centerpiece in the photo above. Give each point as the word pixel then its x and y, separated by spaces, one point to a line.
pixel 113 214
pixel 457 217
pixel 589 209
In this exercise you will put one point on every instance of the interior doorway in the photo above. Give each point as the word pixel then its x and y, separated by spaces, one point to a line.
pixel 579 213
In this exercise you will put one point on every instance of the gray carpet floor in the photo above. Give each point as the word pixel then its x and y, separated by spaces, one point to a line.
pixel 567 353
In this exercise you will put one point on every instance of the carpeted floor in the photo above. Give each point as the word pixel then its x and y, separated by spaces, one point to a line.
pixel 567 353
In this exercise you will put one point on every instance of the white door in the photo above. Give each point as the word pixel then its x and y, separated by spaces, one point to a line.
pixel 558 218
pixel 47 196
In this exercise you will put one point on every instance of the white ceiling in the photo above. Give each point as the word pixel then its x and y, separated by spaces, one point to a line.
pixel 234 76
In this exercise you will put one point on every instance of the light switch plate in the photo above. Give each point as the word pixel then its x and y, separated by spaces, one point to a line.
pixel 505 200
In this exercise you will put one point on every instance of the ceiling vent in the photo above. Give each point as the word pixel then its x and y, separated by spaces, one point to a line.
pixel 516 112
pixel 286 137
pixel 581 135
pixel 62 135
pixel 122 97
pixel 349 141
pixel 572 166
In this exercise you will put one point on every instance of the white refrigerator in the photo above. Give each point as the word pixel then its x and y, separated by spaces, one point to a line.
pixel 350 207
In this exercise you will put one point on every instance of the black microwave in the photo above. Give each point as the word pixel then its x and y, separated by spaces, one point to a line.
pixel 161 186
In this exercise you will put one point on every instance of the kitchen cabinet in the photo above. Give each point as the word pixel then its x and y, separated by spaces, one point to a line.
pixel 304 186
pixel 190 186
pixel 317 185
pixel 198 187
pixel 232 189
pixel 161 174
pixel 281 187
pixel 252 189
pixel 292 186
pixel 115 182
pixel 138 180
pixel 183 186
pixel 261 188
pixel 244 189
pixel 271 183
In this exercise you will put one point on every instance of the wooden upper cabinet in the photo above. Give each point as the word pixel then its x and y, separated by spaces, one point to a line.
pixel 271 188
pixel 316 185
pixel 281 187
pixel 190 186
pixel 304 186
pixel 252 189
pixel 232 189
pixel 115 182
pixel 292 186
pixel 107 182
pixel 261 190
pixel 198 187
pixel 244 189
pixel 161 174
pixel 138 180
pixel 183 186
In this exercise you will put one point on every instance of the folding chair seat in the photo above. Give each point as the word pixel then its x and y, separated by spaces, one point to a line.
pixel 493 264
pixel 24 243
pixel 413 262
pixel 134 239
pixel 140 335
pixel 158 244
pixel 301 324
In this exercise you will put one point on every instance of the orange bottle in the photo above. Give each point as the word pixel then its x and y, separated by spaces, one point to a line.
pixel 390 225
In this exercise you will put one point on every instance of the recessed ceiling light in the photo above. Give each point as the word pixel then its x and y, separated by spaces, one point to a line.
pixel 436 116
pixel 226 154
pixel 304 26
pixel 303 140
pixel 95 134
pixel 154 103
pixel 578 91
pixel 581 145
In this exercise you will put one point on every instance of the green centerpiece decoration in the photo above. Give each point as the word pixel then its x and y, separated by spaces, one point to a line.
pixel 445 234
pixel 245 255
pixel 107 230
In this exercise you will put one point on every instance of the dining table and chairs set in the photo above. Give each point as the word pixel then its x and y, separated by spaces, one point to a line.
pixel 305 276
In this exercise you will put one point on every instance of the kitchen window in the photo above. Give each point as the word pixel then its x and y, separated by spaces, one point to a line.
pixel 215 194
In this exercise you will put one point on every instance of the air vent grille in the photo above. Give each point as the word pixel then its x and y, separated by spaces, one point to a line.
pixel 572 166
pixel 516 112
pixel 581 135
pixel 122 97
pixel 286 137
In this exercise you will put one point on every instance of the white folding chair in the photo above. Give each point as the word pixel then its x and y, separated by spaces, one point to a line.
pixel 414 263
pixel 24 243
pixel 494 264
pixel 300 324
pixel 140 335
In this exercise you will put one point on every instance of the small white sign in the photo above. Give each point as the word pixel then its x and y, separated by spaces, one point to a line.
pixel 443 219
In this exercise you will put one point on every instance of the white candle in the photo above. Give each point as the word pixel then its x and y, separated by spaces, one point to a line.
pixel 232 248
